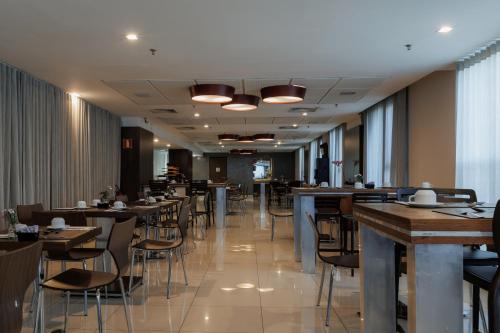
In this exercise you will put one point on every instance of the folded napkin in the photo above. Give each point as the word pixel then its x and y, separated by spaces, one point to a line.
pixel 23 228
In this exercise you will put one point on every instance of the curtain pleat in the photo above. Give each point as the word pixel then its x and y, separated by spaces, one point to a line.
pixel 336 154
pixel 55 149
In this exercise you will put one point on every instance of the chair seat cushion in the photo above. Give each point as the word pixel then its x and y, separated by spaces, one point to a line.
pixel 78 279
pixel 157 245
pixel 76 254
pixel 476 257
pixel 347 261
pixel 480 275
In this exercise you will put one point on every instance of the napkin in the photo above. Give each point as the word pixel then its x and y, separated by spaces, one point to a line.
pixel 23 228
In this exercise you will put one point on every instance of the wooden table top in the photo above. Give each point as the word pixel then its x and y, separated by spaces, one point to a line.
pixel 420 225
pixel 61 240
pixel 131 211
pixel 344 191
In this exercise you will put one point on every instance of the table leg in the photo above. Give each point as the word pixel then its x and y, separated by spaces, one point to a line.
pixel 221 207
pixel 308 245
pixel 377 281
pixel 435 288
pixel 296 227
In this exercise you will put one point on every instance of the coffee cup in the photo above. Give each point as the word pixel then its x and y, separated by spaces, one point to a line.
pixel 358 185
pixel 81 204
pixel 427 197
pixel 119 204
pixel 58 223
pixel 151 200
pixel 95 202
pixel 323 184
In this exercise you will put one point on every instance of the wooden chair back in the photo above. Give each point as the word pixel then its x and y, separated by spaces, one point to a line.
pixel 25 212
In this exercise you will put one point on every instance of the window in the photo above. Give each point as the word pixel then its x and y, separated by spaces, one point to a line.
pixel 478 123
pixel 386 141
pixel 336 155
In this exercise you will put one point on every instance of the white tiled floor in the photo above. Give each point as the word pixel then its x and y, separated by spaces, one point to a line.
pixel 239 281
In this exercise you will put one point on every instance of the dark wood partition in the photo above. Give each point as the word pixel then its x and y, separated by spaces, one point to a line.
pixel 136 160
pixel 183 159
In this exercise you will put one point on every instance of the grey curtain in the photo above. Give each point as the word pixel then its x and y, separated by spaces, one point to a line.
pixel 54 148
pixel 386 141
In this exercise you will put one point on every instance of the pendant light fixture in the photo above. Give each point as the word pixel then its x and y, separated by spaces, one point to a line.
pixel 248 151
pixel 228 137
pixel 246 139
pixel 242 102
pixel 211 93
pixel 283 94
pixel 264 137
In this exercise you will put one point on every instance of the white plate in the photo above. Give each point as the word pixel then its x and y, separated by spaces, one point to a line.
pixel 425 205
pixel 54 228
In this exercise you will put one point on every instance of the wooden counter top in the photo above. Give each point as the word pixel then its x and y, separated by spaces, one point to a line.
pixel 344 191
pixel 417 225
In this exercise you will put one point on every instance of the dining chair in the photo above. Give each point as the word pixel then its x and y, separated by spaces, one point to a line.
pixel 77 254
pixel 19 268
pixel 328 211
pixel 25 212
pixel 350 261
pixel 487 278
pixel 81 280
pixel 278 209
pixel 169 246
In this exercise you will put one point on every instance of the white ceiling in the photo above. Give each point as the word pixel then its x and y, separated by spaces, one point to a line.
pixel 331 46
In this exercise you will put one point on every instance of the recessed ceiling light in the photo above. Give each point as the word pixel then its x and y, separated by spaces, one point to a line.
pixel 156 140
pixel 275 146
pixel 168 145
pixel 279 142
pixel 445 29
pixel 220 142
pixel 304 114
pixel 222 146
pixel 295 125
pixel 197 115
pixel 206 125
pixel 132 37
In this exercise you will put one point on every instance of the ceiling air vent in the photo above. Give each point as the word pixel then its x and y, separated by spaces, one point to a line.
pixel 347 93
pixel 164 111
pixel 142 95
pixel 302 110
pixel 186 128
pixel 287 127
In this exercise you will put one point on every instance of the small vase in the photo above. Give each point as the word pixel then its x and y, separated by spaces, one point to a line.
pixel 12 231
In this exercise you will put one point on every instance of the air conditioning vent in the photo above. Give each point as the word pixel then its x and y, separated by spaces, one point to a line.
pixel 163 111
pixel 186 128
pixel 287 127
pixel 142 95
pixel 347 93
pixel 302 110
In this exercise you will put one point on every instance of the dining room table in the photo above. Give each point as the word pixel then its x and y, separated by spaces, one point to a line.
pixel 434 238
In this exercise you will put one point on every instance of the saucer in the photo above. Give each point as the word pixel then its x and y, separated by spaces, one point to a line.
pixel 425 205
pixel 54 228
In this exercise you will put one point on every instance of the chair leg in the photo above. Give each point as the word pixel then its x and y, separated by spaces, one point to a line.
pixel 475 308
pixel 329 305
pixel 85 299
pixel 321 284
pixel 132 262
pixel 66 310
pixel 183 267
pixel 144 256
pixel 273 222
pixel 98 308
pixel 483 317
pixel 125 306
pixel 169 256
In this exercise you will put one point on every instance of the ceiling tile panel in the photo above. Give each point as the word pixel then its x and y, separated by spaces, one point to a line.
pixel 359 83
pixel 176 91
pixel 141 92
pixel 344 96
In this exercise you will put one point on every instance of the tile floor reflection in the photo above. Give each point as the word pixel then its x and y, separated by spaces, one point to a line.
pixel 239 281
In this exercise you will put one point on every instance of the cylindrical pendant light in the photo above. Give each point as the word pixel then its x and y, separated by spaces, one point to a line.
pixel 228 137
pixel 264 137
pixel 211 93
pixel 242 102
pixel 283 94
pixel 248 151
pixel 246 139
